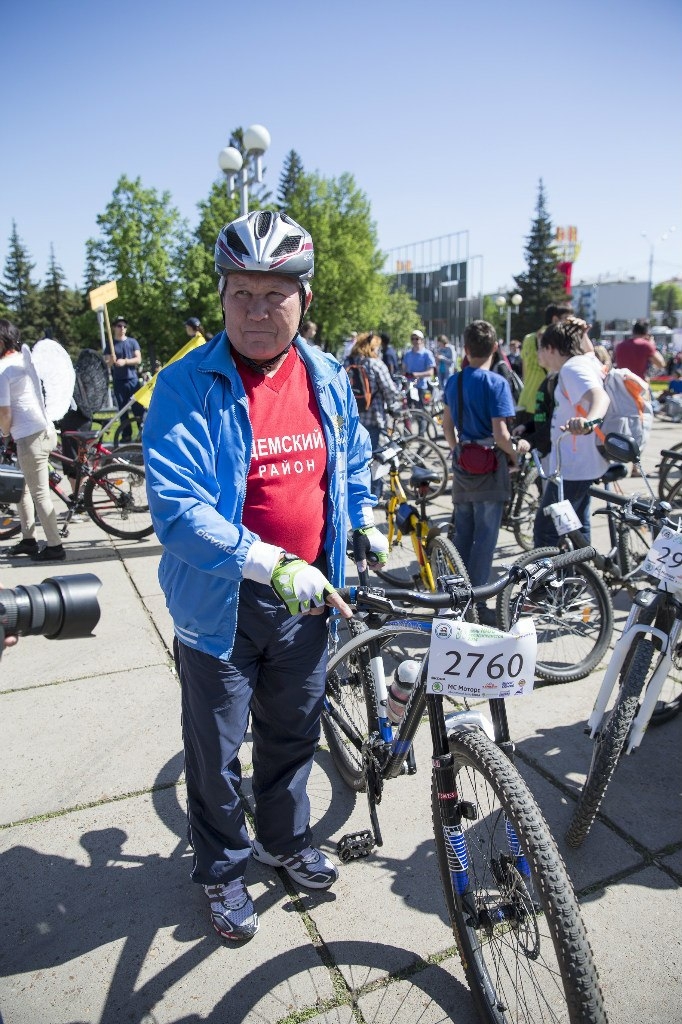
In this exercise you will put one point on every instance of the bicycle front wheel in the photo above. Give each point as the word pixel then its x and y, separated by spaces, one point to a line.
pixel 609 742
pixel 633 547
pixel 10 524
pixel 115 498
pixel 511 904
pixel 573 618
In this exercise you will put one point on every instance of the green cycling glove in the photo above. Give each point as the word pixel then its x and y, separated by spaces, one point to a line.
pixel 300 585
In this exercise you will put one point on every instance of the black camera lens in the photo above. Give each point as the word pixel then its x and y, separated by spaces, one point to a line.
pixel 59 608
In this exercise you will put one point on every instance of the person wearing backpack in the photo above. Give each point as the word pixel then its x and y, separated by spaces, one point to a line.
pixel 373 388
pixel 580 398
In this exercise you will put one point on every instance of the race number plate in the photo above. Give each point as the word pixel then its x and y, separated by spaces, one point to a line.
pixel 564 517
pixel 466 660
pixel 664 560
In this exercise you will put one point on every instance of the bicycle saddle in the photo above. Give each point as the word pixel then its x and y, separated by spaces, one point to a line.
pixel 421 476
pixel 616 472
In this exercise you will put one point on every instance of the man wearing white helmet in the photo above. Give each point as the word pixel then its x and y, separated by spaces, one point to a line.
pixel 256 461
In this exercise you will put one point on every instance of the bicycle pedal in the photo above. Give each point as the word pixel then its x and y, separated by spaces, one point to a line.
pixel 354 845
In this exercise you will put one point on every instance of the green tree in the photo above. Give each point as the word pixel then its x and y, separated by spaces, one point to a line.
pixel 59 303
pixel 288 179
pixel 349 288
pixel 399 316
pixel 667 296
pixel 542 282
pixel 19 293
pixel 142 245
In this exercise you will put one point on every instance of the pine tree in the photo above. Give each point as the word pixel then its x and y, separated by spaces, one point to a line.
pixel 20 293
pixel 542 283
pixel 288 180
pixel 57 302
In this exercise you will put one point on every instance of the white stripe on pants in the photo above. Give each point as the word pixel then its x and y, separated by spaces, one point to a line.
pixel 33 453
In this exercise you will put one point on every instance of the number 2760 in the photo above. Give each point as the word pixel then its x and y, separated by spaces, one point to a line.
pixel 494 667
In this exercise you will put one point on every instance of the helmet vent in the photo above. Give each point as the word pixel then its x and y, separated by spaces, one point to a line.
pixel 263 223
pixel 287 246
pixel 235 243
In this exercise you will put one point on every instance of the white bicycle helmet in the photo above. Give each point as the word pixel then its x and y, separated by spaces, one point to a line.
pixel 266 241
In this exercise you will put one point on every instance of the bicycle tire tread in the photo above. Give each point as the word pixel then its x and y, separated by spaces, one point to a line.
pixel 610 744
pixel 581 985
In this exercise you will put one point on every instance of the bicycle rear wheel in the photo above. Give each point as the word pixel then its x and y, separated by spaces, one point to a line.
pixel 115 498
pixel 609 742
pixel 513 911
pixel 633 547
pixel 573 618
pixel 131 453
pixel 524 505
pixel 414 422
pixel 424 454
pixel 669 473
pixel 350 712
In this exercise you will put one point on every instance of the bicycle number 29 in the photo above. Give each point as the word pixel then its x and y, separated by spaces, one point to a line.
pixel 665 558
pixel 467 660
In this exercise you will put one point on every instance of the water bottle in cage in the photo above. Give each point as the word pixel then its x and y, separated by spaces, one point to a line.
pixel 404 678
pixel 55 477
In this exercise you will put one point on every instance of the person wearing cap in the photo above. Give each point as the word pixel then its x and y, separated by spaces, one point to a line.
pixel 194 329
pixel 419 365
pixel 256 462
pixel 124 371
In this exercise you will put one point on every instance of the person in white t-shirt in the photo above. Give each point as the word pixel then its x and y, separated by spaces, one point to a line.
pixel 580 400
pixel 23 415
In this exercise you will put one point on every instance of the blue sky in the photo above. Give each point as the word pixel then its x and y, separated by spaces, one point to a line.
pixel 446 113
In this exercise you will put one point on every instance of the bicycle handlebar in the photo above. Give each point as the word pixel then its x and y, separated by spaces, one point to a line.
pixel 537 573
pixel 645 509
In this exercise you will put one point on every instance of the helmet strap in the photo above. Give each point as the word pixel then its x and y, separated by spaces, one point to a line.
pixel 264 367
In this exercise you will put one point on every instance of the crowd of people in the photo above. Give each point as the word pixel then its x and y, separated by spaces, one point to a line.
pixel 258 462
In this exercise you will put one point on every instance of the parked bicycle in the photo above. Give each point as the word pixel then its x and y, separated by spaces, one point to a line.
pixel 574 617
pixel 107 487
pixel 418 550
pixel 510 902
pixel 646 666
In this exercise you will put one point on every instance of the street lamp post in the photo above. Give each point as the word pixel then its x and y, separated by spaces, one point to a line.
pixel 249 167
pixel 651 243
pixel 513 304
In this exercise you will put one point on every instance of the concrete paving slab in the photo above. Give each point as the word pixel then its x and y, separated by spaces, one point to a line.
pixel 435 995
pixel 100 922
pixel 124 639
pixel 635 935
pixel 88 740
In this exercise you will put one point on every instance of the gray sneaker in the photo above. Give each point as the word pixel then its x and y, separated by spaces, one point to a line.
pixel 309 868
pixel 232 912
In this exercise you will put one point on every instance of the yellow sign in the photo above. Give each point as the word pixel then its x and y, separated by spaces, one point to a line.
pixel 105 293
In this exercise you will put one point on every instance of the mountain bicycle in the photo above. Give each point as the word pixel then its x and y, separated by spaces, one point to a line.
pixel 646 666
pixel 112 494
pixel 574 617
pixel 509 899
pixel 419 413
pixel 94 453
pixel 412 539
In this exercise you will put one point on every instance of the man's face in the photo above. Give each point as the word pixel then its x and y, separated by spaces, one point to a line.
pixel 120 331
pixel 549 359
pixel 262 313
pixel 416 342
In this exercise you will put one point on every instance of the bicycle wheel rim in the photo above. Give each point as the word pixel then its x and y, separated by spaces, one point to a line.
pixel 517 923
pixel 115 498
pixel 524 507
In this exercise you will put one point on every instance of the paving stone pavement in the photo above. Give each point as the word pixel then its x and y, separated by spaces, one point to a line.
pixel 99 923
